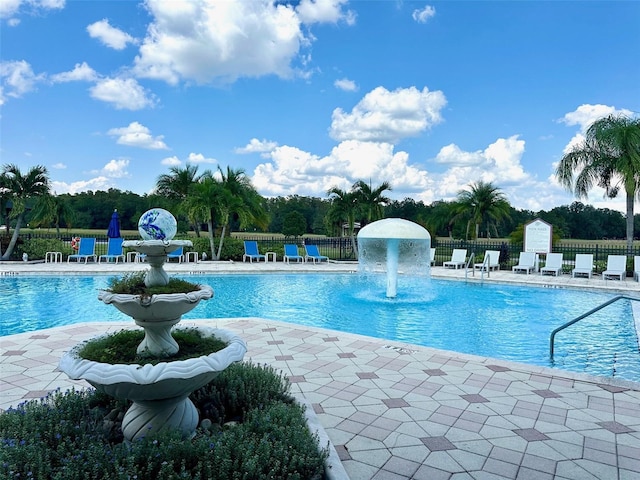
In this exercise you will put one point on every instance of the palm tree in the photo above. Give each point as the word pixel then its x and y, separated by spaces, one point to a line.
pixel 344 208
pixel 176 185
pixel 206 200
pixel 483 203
pixel 20 189
pixel 371 200
pixel 217 200
pixel 51 210
pixel 609 157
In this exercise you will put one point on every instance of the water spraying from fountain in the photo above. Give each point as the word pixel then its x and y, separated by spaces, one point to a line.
pixel 394 246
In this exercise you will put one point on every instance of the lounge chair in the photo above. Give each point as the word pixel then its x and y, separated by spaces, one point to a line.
pixel 491 261
pixel 313 254
pixel 86 250
pixel 583 265
pixel 114 251
pixel 616 267
pixel 251 252
pixel 526 263
pixel 552 264
pixel 636 268
pixel 458 259
pixel 291 253
pixel 432 256
pixel 177 254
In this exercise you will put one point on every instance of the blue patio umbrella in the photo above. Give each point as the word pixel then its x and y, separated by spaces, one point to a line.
pixel 114 225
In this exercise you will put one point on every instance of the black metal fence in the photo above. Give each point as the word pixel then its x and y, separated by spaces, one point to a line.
pixel 341 248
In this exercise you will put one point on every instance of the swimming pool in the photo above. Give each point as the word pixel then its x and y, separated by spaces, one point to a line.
pixel 500 321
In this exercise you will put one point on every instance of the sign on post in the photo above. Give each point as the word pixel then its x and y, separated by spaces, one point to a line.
pixel 537 236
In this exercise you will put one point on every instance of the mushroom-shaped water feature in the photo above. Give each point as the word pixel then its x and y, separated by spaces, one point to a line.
pixel 160 392
pixel 392 246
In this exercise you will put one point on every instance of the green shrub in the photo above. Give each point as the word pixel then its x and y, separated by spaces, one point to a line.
pixel 36 248
pixel 75 436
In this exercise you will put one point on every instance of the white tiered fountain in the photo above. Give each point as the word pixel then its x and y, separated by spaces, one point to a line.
pixel 160 392
pixel 392 246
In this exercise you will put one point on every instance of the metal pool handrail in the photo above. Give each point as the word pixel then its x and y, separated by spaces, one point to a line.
pixel 584 315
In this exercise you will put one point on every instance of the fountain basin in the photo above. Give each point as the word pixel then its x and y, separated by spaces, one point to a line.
pixel 159 392
pixel 157 314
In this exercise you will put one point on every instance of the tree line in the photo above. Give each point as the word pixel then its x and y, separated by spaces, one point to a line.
pixel 218 202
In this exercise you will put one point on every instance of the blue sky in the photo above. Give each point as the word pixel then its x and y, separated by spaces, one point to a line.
pixel 307 95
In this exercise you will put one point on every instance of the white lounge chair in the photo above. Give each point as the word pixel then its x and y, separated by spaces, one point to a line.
pixel 584 265
pixel 636 268
pixel 432 254
pixel 552 265
pixel 526 263
pixel 491 261
pixel 616 267
pixel 458 259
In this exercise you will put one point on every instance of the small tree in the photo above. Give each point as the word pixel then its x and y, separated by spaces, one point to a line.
pixel 294 224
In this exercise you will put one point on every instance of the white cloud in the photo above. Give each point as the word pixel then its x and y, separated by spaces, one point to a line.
pixel 59 166
pixel 171 161
pixel 16 79
pixel 210 41
pixel 346 85
pixel 198 158
pixel 293 171
pixel 137 135
pixel 81 72
pixel 385 116
pixel 422 16
pixel 257 146
pixel 94 184
pixel 9 8
pixel 122 93
pixel 324 11
pixel 116 168
pixel 110 36
pixel 586 114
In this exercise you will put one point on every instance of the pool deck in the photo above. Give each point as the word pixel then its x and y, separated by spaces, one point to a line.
pixel 394 410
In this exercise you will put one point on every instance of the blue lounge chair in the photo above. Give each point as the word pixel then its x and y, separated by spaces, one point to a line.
pixel 291 253
pixel 176 254
pixel 251 252
pixel 313 254
pixel 86 250
pixel 114 251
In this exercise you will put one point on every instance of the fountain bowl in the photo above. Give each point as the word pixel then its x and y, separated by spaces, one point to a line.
pixel 159 392
pixel 156 307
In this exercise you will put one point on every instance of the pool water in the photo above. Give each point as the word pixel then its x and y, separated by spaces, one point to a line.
pixel 500 321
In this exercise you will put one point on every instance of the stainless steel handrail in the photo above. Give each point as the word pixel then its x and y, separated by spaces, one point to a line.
pixel 577 319
pixel 466 267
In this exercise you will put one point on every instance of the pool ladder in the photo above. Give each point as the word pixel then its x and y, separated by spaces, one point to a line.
pixel 485 263
pixel 585 315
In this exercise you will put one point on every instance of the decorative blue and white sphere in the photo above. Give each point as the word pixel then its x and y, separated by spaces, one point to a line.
pixel 157 224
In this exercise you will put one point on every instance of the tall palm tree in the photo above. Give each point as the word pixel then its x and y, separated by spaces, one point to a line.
pixel 483 203
pixel 609 157
pixel 371 200
pixel 344 208
pixel 21 189
pixel 250 208
pixel 51 210
pixel 206 200
pixel 176 185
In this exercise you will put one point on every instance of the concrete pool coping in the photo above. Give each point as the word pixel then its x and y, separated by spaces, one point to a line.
pixel 394 410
